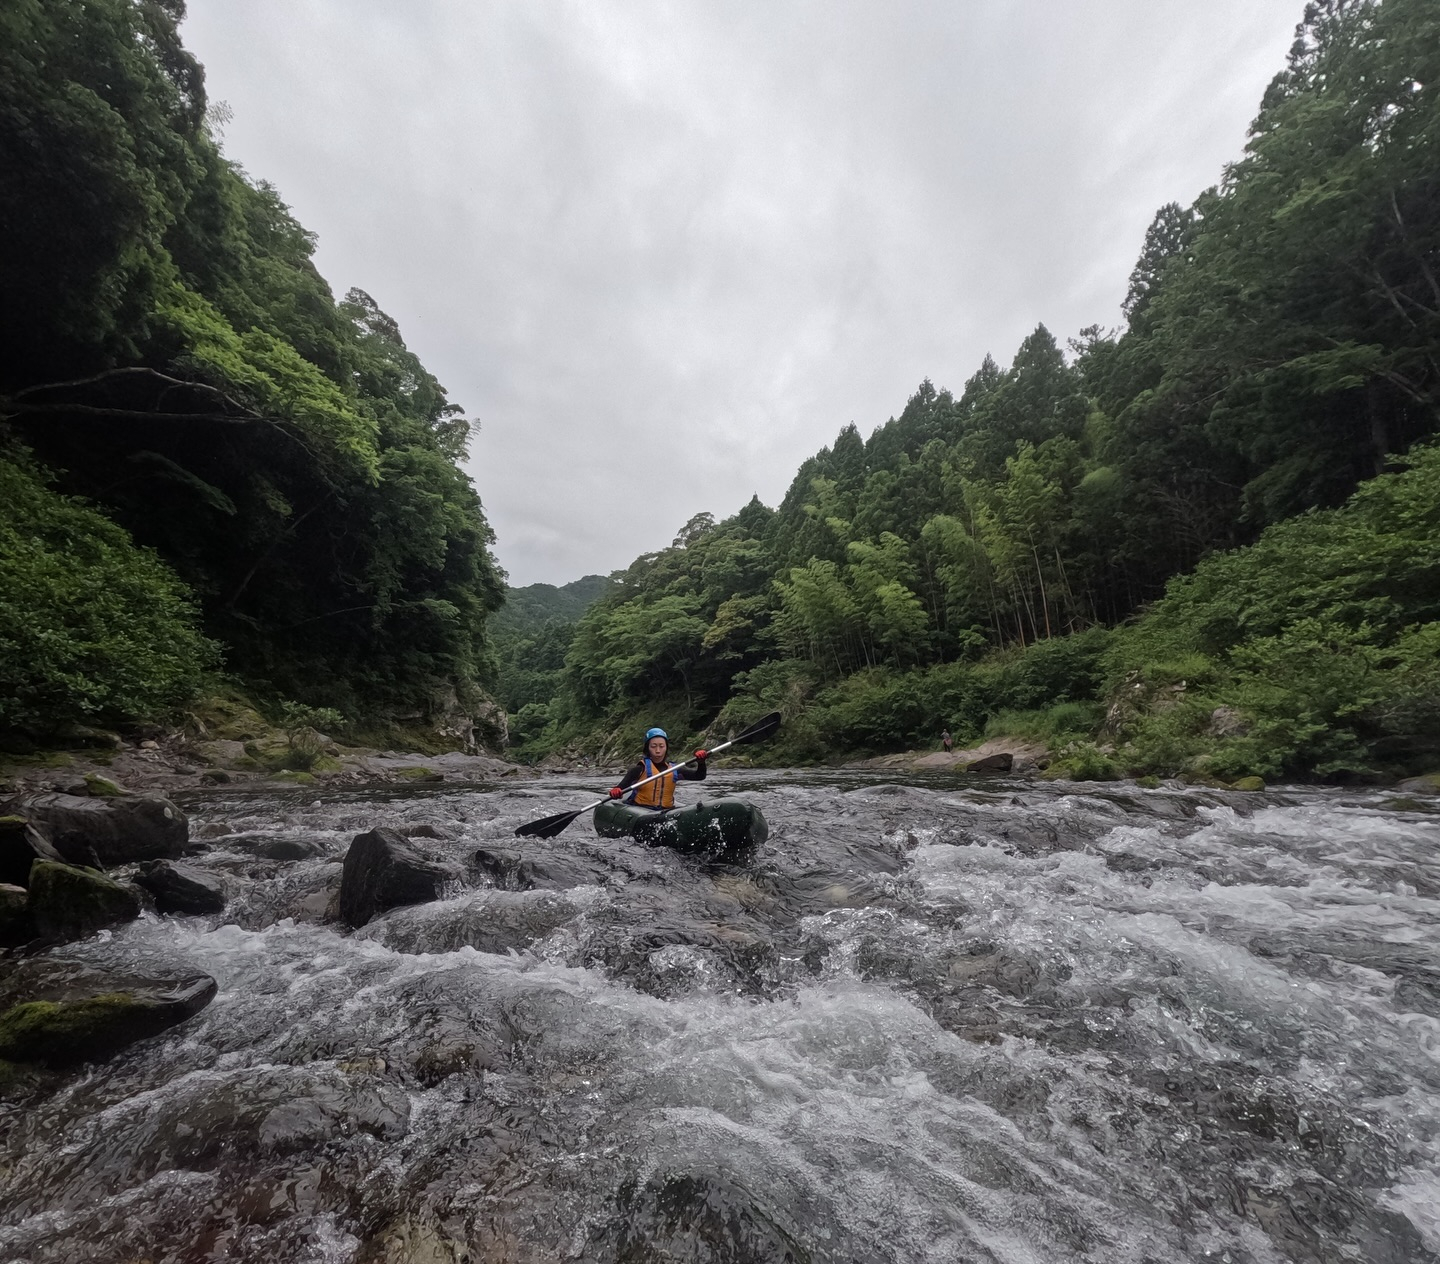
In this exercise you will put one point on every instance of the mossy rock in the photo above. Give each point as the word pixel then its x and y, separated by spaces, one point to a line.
pixel 1428 784
pixel 1408 805
pixel 103 787
pixel 65 1033
pixel 1148 783
pixel 19 1080
pixel 86 738
pixel 1204 781
pixel 230 718
pixel 16 925
pixel 1248 783
pixel 294 777
pixel 68 903
pixel 418 774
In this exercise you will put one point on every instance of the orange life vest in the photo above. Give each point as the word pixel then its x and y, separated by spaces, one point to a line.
pixel 659 793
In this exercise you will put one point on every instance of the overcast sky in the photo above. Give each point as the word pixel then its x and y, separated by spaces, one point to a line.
pixel 662 251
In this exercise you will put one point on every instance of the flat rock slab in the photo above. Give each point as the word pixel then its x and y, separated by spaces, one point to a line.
pixel 488 921
pixel 115 831
pixel 181 888
pixel 452 764
pixel 79 1027
pixel 1000 755
pixel 273 846
pixel 385 870
pixel 540 868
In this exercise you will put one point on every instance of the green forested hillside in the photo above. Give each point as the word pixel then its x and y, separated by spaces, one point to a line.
pixel 528 609
pixel 281 471
pixel 533 633
pixel 989 553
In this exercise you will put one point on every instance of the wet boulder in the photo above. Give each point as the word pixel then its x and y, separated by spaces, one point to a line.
pixel 21 845
pixel 1001 763
pixel 986 965
pixel 114 831
pixel 274 846
pixel 384 870
pixel 1428 784
pixel 713 1212
pixel 69 903
pixel 489 921
pixel 540 868
pixel 181 888
pixel 91 1028
pixel 16 925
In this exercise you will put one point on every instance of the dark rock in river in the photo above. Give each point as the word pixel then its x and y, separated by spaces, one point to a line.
pixel 69 903
pixel 91 1028
pixel 115 831
pixel 21 845
pixel 1002 762
pixel 489 921
pixel 275 846
pixel 711 1215
pixel 384 870
pixel 540 868
pixel 16 925
pixel 180 888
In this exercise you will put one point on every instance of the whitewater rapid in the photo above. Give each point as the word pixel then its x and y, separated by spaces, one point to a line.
pixel 952 1021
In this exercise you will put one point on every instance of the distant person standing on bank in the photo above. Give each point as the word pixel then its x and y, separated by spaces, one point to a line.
pixel 946 740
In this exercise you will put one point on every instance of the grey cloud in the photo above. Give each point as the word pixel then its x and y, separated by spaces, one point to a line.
pixel 663 251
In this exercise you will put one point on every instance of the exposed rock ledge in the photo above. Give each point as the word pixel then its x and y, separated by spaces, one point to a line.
pixel 1013 755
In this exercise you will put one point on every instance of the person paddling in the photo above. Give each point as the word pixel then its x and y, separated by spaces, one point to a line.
pixel 659 794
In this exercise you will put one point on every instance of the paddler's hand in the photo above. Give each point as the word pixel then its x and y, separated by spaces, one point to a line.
pixel 616 792
pixel 702 755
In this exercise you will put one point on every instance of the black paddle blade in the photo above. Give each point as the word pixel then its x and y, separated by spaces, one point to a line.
pixel 761 728
pixel 549 826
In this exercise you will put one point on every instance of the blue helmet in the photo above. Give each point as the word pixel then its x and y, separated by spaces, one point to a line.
pixel 649 733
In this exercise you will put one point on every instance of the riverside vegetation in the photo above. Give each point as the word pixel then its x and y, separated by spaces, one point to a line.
pixel 207 463
pixel 1204 543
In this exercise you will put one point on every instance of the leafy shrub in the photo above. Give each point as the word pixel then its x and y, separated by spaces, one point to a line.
pixel 1063 669
pixel 1323 634
pixel 875 710
pixel 1084 761
pixel 91 626
pixel 1170 741
pixel 1062 722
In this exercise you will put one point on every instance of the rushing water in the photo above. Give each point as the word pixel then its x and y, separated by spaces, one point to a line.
pixel 929 1022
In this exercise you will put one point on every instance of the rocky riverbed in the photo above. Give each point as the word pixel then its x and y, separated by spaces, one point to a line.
pixel 950 1020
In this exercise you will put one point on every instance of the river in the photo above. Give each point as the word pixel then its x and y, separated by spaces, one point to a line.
pixel 932 1021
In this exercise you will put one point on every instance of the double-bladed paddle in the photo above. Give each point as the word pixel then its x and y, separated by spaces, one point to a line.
pixel 548 827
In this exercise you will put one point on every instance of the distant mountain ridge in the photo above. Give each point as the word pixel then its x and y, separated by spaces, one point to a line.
pixel 530 608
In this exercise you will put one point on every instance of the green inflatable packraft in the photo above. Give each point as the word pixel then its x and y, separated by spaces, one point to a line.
pixel 726 830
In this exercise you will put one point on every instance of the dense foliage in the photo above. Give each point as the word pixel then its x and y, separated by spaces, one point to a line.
pixel 170 352
pixel 91 627
pixel 533 632
pixel 1323 636
pixel 1282 346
